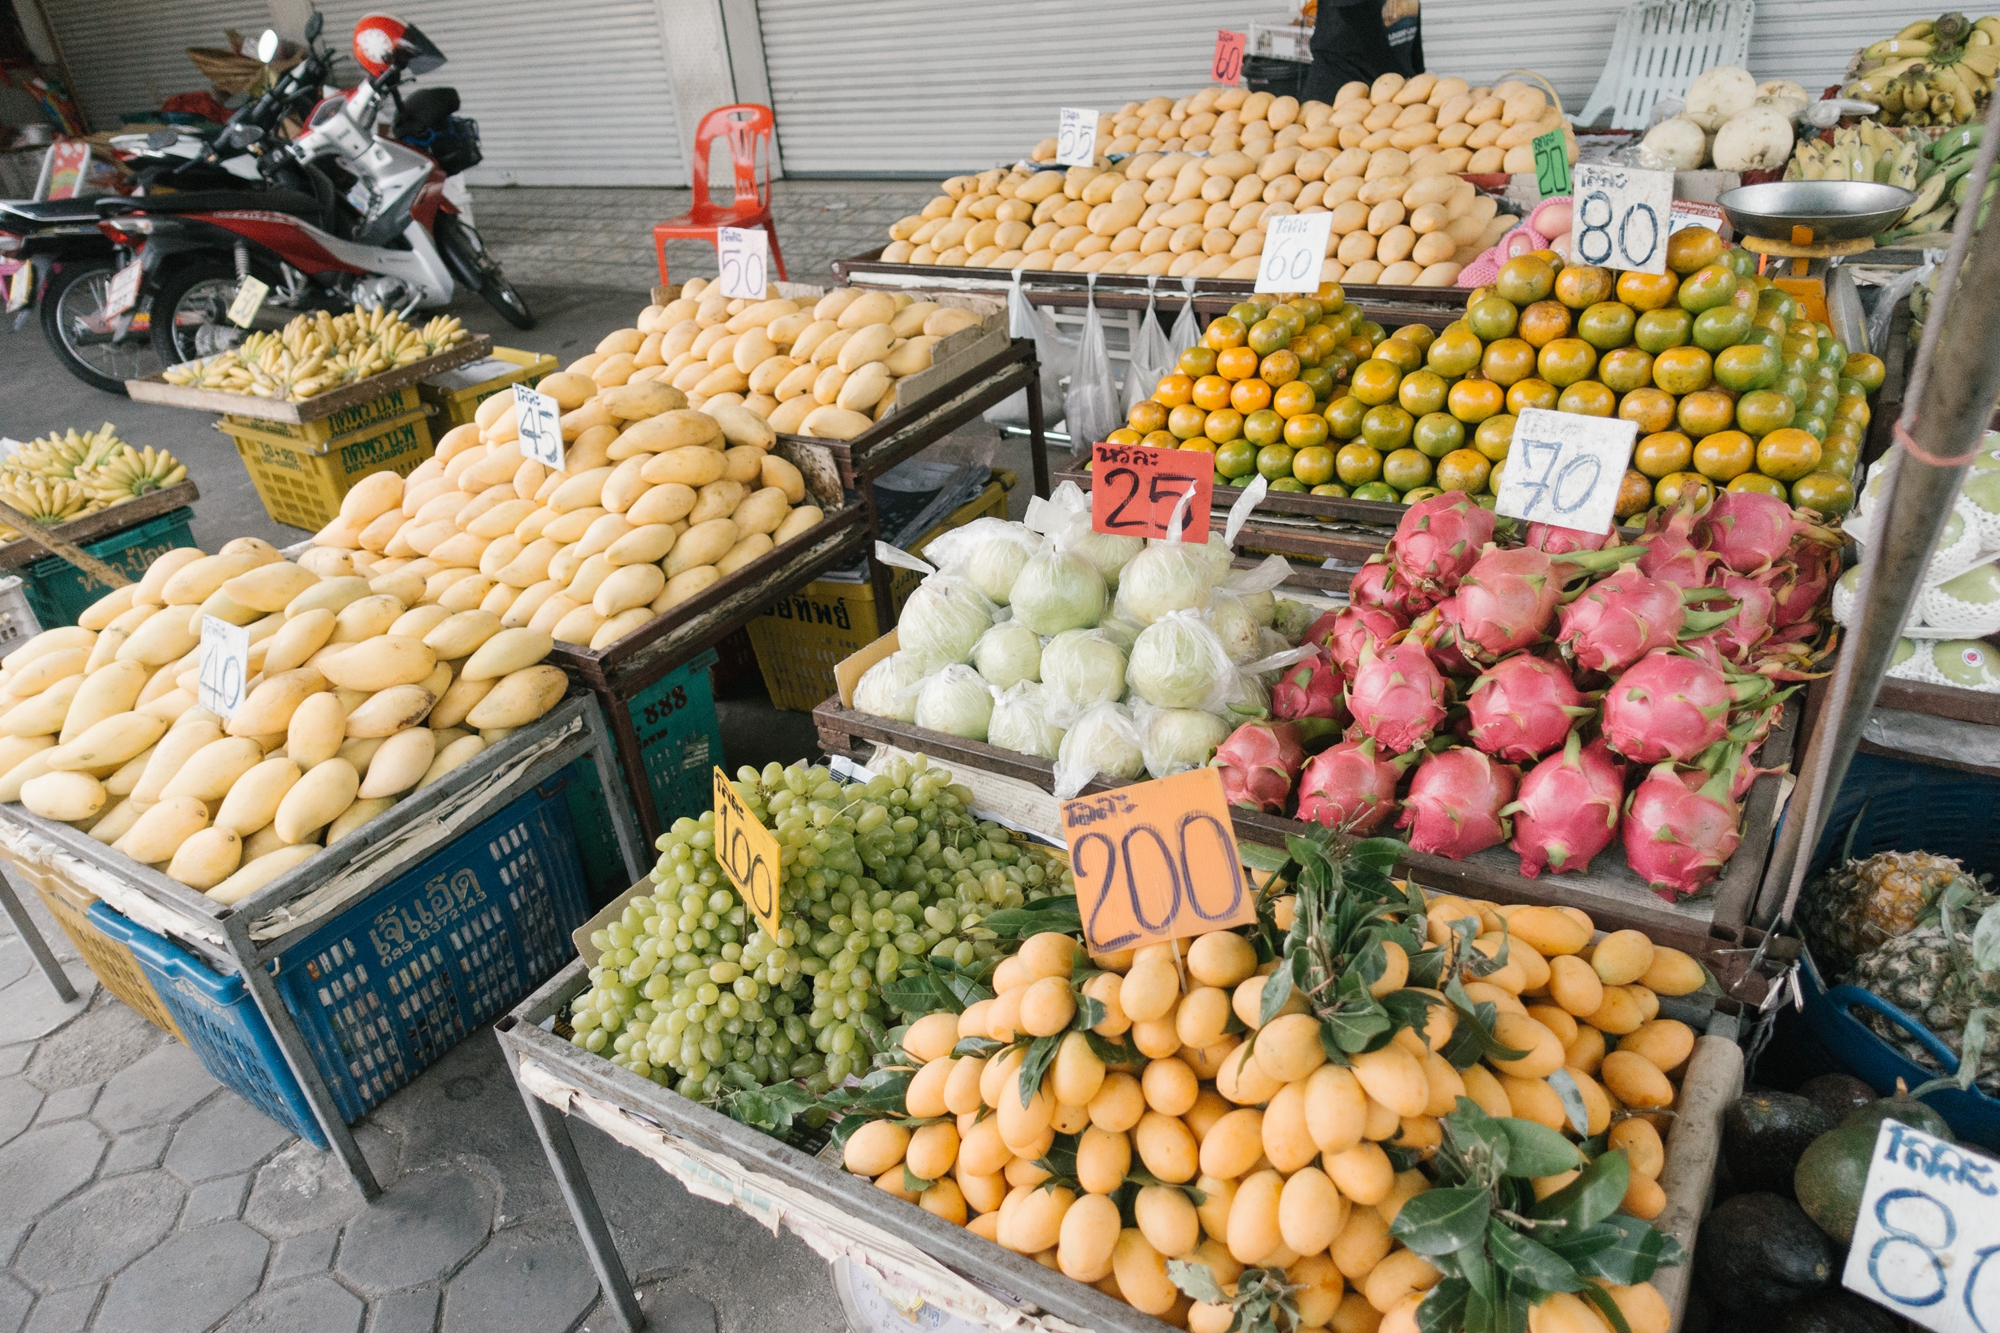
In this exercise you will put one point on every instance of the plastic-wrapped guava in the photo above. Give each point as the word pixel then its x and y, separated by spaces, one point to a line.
pixel 1007 654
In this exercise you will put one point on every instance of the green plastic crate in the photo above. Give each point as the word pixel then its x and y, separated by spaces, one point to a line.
pixel 59 592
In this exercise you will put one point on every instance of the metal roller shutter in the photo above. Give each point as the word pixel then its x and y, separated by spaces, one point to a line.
pixel 130 56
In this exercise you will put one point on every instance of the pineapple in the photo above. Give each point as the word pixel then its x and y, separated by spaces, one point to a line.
pixel 1863 904
pixel 1930 973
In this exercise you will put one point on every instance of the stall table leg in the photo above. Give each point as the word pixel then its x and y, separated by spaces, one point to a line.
pixel 31 935
pixel 591 1227
pixel 1038 440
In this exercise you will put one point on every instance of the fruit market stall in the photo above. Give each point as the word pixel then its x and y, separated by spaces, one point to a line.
pixel 315 825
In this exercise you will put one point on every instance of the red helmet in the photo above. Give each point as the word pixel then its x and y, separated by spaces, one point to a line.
pixel 383 41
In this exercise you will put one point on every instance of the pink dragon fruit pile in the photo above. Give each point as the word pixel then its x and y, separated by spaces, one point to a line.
pixel 1557 696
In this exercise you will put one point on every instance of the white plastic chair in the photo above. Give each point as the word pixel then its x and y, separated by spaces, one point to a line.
pixel 1659 46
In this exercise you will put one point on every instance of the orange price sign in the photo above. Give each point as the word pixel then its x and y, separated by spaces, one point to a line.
pixel 1156 861
pixel 1228 64
pixel 749 854
pixel 1138 488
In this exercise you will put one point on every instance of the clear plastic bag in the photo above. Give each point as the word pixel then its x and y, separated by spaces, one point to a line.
pixel 1179 662
pixel 1065 518
pixel 1081 668
pixel 1174 740
pixel 1091 408
pixel 889 688
pixel 1152 358
pixel 1893 291
pixel 1055 354
pixel 989 552
pixel 1008 654
pixel 1104 740
pixel 1186 331
pixel 943 618
pixel 1020 722
pixel 955 700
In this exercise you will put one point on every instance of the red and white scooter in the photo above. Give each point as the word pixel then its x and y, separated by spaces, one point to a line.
pixel 343 216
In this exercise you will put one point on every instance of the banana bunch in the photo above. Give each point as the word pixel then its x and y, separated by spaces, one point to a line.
pixel 317 352
pixel 443 331
pixel 45 501
pixel 60 477
pixel 132 473
pixel 1934 72
pixel 1942 185
pixel 1864 152
pixel 64 457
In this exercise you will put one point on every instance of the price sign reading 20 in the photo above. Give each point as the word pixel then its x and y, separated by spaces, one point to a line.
pixel 1156 861
pixel 749 854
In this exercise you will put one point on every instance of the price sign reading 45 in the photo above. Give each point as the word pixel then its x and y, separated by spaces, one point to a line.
pixel 225 666
pixel 1136 489
pixel 1926 1240
pixel 538 421
pixel 1622 217
pixel 1566 469
pixel 744 256
pixel 1076 137
pixel 1294 252
pixel 1156 861
pixel 1228 65
pixel 749 853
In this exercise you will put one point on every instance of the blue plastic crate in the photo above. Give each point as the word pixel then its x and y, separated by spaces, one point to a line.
pixel 221 1022
pixel 680 739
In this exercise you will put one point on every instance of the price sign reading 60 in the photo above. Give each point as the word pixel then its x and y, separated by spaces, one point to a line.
pixel 749 854
pixel 1156 861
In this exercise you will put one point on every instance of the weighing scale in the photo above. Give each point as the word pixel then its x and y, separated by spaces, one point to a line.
pixel 1812 223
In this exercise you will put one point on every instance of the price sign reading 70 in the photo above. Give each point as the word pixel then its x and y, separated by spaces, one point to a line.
pixel 749 854
pixel 1156 861
pixel 1565 469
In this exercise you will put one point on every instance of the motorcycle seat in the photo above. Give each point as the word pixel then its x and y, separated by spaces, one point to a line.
pixel 425 110
pixel 50 212
pixel 215 201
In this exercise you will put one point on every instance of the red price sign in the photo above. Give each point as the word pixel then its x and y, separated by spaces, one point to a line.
pixel 1135 488
pixel 1156 861
pixel 1229 55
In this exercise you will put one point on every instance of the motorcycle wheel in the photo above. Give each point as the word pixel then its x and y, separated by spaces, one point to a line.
pixel 84 339
pixel 191 303
pixel 466 256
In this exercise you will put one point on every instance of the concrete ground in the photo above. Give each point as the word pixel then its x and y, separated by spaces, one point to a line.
pixel 138 1194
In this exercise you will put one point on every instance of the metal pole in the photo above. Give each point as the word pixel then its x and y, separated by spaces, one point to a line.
pixel 1038 439
pixel 31 936
pixel 1955 384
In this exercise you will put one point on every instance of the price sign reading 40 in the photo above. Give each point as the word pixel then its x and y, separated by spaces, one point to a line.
pixel 749 853
pixel 1136 489
pixel 1156 861
pixel 225 666
pixel 1566 469
pixel 1621 217
pixel 1927 1239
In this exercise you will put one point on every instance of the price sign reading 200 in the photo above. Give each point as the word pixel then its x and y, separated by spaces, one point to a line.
pixel 1156 861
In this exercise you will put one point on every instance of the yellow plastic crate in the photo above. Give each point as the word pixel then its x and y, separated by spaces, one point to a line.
pixel 457 394
pixel 110 959
pixel 801 639
pixel 347 421
pixel 302 484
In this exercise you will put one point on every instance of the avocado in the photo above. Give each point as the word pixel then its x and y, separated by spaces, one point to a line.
pixel 1831 1177
pixel 1839 1095
pixel 1836 1311
pixel 1760 1251
pixel 1765 1133
pixel 1903 1107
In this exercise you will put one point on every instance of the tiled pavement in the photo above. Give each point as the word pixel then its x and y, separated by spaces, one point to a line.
pixel 604 237
pixel 139 1196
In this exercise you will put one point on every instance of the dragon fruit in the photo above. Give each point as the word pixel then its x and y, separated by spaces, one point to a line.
pixel 1560 540
pixel 1739 637
pixel 1812 568
pixel 1621 618
pixel 1260 761
pixel 1672 706
pixel 1396 696
pixel 1348 787
pixel 1671 554
pixel 1681 827
pixel 1375 584
pixel 1568 808
pixel 1312 688
pixel 1353 628
pixel 1455 803
pixel 1522 708
pixel 1748 530
pixel 1438 540
pixel 1508 599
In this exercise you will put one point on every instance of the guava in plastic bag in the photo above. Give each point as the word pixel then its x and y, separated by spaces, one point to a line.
pixel 889 688
pixel 1178 662
pixel 955 700
pixel 1178 739
pixel 1021 723
pixel 1081 668
pixel 1007 654
pixel 987 552
pixel 1104 740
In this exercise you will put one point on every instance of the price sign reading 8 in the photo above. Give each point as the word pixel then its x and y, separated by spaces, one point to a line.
pixel 1564 468
pixel 1228 64
pixel 538 421
pixel 748 853
pixel 1294 251
pixel 1076 137
pixel 1927 1231
pixel 744 258
pixel 1156 861
pixel 1622 217
pixel 225 665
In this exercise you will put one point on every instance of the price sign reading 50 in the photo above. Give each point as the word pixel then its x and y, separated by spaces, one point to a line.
pixel 749 854
pixel 1294 251
pixel 1622 217
pixel 1156 861
pixel 744 257
pixel 1565 469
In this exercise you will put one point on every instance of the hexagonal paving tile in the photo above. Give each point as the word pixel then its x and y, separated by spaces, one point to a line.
pixel 528 1278
pixel 18 1103
pixel 163 1084
pixel 430 1117
pixel 97 1233
pixel 14 1302
pixel 42 1166
pixel 226 1137
pixel 317 1305
pixel 105 1038
pixel 423 1226
pixel 302 1189
pixel 191 1280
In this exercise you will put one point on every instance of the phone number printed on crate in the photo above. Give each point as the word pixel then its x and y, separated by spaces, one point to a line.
pixel 402 928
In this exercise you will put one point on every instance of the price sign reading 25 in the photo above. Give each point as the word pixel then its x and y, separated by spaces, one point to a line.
pixel 1136 489
pixel 749 854
pixel 1156 861
pixel 1622 217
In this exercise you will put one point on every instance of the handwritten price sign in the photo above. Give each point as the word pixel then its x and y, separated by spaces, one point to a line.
pixel 124 292
pixel 1564 468
pixel 1135 489
pixel 1156 861
pixel 249 300
pixel 748 852
pixel 1622 217
pixel 538 421
pixel 744 257
pixel 1228 64
pixel 1552 164
pixel 1294 250
pixel 1076 137
pixel 225 666
pixel 1925 1242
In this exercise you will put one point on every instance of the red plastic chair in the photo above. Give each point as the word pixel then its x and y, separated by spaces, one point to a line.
pixel 748 127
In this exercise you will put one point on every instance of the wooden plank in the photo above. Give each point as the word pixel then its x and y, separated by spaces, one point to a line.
pixel 1947 701
pixel 155 389
pixel 93 527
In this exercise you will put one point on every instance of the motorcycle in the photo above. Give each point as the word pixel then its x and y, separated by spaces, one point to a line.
pixel 344 217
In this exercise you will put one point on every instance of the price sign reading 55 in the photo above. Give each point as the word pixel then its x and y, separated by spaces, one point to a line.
pixel 1137 489
pixel 1156 861
pixel 1076 137
pixel 1622 217
pixel 749 854
pixel 1565 469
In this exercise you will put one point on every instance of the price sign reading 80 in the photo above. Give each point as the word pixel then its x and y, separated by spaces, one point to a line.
pixel 748 853
pixel 1925 1240
pixel 1156 861
pixel 1622 217
pixel 1563 468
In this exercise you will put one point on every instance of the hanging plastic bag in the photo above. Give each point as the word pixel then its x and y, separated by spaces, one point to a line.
pixel 943 618
pixel 1152 358
pixel 1055 354
pixel 990 552
pixel 1893 291
pixel 1065 516
pixel 1104 740
pixel 1186 331
pixel 1091 408
pixel 1020 722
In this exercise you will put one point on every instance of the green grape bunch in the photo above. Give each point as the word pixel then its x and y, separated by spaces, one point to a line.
pixel 877 878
